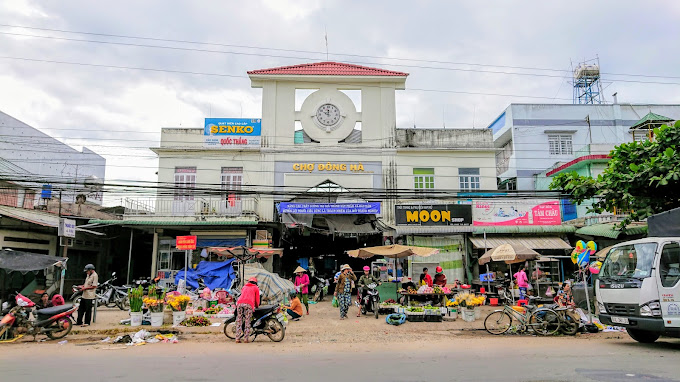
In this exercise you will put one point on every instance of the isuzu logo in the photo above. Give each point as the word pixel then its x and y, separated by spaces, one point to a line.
pixel 617 286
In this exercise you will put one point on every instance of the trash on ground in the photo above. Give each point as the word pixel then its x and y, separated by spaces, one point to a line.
pixel 63 342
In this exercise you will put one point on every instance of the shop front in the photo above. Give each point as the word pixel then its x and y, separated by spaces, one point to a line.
pixel 534 224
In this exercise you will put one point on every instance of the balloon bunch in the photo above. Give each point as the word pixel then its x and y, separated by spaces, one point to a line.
pixel 582 252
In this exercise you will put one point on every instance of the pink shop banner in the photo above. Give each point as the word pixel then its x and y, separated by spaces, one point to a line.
pixel 516 212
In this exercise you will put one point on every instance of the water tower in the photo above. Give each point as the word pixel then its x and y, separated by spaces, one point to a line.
pixel 586 81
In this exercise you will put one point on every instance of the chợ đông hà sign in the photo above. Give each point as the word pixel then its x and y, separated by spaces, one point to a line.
pixel 433 214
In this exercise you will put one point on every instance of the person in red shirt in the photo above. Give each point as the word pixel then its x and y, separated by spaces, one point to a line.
pixel 245 305
pixel 440 277
pixel 426 278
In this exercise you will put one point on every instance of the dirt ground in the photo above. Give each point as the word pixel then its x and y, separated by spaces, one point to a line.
pixel 321 326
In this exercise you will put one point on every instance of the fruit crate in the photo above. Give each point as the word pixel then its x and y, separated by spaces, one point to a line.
pixel 415 318
pixel 433 318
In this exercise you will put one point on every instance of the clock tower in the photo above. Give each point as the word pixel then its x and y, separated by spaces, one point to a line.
pixel 328 116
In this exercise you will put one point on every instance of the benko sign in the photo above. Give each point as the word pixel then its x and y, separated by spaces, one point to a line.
pixel 433 214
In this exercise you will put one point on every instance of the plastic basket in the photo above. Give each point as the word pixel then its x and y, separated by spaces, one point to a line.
pixel 434 318
pixel 415 318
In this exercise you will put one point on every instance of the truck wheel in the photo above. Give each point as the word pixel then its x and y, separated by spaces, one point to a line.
pixel 642 336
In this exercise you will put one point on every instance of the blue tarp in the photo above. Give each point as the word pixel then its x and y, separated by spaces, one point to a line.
pixel 215 274
pixel 231 242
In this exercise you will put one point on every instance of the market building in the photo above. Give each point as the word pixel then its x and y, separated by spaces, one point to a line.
pixel 329 174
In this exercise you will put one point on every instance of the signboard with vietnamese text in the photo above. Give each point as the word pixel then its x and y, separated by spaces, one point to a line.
pixel 331 208
pixel 505 212
pixel 232 133
pixel 185 243
pixel 67 227
pixel 432 214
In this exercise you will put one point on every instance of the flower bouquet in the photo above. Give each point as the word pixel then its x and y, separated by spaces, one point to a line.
pixel 177 303
pixel 155 304
pixel 196 321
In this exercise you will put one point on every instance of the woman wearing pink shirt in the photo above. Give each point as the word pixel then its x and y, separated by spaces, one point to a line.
pixel 522 283
pixel 302 286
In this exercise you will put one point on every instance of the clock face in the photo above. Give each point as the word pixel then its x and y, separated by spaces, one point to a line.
pixel 328 114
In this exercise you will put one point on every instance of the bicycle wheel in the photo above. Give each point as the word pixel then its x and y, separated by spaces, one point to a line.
pixel 497 322
pixel 545 322
pixel 570 323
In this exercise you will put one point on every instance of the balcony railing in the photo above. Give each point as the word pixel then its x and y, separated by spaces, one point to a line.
pixel 192 206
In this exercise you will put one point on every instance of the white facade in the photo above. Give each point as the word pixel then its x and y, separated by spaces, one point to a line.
pixel 51 161
pixel 524 133
pixel 378 159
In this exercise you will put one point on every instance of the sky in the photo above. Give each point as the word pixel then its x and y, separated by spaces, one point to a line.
pixel 63 71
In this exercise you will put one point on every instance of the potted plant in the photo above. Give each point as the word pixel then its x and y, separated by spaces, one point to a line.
pixel 135 295
pixel 178 304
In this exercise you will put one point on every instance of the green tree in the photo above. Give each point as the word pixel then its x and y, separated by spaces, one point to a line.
pixel 641 177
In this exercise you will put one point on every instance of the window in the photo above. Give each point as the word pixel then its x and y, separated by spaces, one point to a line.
pixel 669 265
pixel 423 178
pixel 232 180
pixel 185 182
pixel 560 144
pixel 469 179
pixel 626 261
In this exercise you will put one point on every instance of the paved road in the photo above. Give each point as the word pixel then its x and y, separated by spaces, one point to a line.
pixel 458 359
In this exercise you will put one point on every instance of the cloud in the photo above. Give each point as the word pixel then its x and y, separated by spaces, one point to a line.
pixel 107 108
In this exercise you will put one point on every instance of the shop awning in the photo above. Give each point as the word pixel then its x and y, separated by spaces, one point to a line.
pixel 611 230
pixel 540 242
pixel 392 251
pixel 240 251
pixel 425 230
pixel 20 261
pixel 159 223
pixel 538 229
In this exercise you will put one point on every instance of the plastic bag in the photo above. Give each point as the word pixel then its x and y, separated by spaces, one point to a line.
pixel 550 292
pixel 335 302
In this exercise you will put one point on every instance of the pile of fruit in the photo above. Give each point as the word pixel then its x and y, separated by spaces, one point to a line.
pixel 212 310
pixel 425 289
pixel 412 291
pixel 388 302
pixel 415 309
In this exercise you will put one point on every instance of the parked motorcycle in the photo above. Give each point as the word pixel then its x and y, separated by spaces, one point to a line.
pixel 319 287
pixel 371 300
pixel 267 319
pixel 55 322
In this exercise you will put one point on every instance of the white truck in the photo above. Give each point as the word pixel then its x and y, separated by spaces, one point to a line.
pixel 639 288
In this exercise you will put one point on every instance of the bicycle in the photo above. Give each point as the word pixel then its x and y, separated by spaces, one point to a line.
pixel 542 321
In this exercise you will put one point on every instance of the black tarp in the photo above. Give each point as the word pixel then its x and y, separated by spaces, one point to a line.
pixel 19 261
pixel 664 224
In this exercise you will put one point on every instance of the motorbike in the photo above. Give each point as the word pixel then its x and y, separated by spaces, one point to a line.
pixel 319 287
pixel 370 300
pixel 267 320
pixel 55 322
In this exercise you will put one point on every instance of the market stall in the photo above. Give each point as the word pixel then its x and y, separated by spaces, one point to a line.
pixel 509 254
pixel 395 252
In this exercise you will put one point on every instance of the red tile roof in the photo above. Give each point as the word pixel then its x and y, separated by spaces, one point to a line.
pixel 328 69
pixel 575 161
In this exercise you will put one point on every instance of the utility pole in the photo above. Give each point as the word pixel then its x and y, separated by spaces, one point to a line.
pixel 590 131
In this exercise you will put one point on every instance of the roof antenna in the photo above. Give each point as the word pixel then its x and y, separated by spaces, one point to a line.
pixel 326 37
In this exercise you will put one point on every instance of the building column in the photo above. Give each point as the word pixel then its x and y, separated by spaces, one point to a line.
pixel 154 254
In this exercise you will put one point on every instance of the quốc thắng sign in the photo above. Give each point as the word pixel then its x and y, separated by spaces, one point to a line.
pixel 185 243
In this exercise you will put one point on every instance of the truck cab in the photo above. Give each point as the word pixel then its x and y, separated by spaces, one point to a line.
pixel 639 288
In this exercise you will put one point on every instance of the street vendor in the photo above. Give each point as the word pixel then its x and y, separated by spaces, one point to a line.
pixel 538 274
pixel 440 277
pixel 295 308
pixel 425 278
pixel 302 286
pixel 564 296
pixel 364 281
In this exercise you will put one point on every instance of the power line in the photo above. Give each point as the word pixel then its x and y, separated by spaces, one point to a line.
pixel 322 53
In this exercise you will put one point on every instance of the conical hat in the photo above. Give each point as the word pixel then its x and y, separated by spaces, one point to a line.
pixel 299 269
